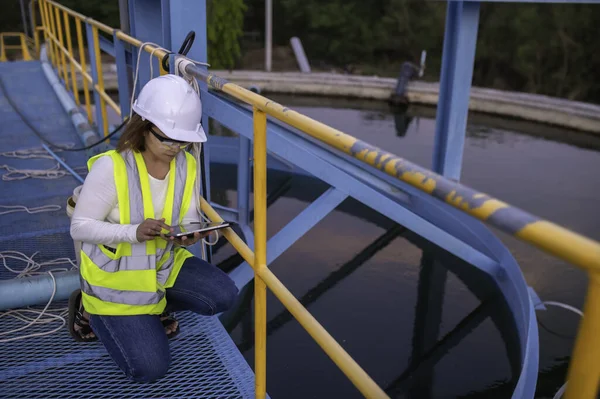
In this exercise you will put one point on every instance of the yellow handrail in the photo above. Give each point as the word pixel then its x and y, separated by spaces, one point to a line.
pixel 23 45
pixel 584 370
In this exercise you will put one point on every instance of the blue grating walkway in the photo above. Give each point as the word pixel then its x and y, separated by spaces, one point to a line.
pixel 206 362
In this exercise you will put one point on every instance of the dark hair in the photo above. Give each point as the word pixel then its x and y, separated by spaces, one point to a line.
pixel 134 134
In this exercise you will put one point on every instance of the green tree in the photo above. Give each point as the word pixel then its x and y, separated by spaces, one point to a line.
pixel 225 27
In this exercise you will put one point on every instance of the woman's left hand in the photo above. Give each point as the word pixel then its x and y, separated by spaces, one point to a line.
pixel 186 241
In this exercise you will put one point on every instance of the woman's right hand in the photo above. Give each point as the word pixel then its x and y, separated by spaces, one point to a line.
pixel 149 229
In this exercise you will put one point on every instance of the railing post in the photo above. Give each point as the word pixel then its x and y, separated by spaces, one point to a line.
pixel 70 48
pixel 62 44
pixel 97 78
pixel 45 25
pixel 2 51
pixel 260 242
pixel 25 48
pixel 584 368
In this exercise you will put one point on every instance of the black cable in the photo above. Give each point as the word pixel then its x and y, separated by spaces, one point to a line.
pixel 41 137
pixel 183 50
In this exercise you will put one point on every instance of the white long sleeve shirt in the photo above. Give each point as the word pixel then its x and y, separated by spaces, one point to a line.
pixel 95 219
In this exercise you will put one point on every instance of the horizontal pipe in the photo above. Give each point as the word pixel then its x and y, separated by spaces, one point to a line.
pixel 37 290
pixel 86 132
pixel 334 350
pixel 552 238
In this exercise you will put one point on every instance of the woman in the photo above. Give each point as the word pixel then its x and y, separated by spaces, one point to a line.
pixel 132 275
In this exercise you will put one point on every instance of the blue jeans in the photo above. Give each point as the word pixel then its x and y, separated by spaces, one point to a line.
pixel 139 344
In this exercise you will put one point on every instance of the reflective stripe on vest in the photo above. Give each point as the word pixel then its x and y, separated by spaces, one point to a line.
pixel 132 279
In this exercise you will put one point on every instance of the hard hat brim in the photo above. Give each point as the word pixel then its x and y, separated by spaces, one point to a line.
pixel 189 136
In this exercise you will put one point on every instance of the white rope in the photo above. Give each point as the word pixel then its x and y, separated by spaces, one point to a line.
pixel 31 211
pixel 54 172
pixel 31 268
pixel 573 309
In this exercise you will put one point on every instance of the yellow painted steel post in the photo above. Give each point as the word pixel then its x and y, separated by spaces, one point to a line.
pixel 45 25
pixel 584 369
pixel 100 79
pixel 260 244
pixel 60 40
pixel 36 39
pixel 34 29
pixel 52 35
pixel 2 50
pixel 70 48
pixel 48 30
pixel 86 89
pixel 25 48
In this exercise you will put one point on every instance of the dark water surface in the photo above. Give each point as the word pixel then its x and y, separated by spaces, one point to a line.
pixel 364 278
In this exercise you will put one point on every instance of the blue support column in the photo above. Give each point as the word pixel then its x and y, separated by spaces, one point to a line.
pixel 146 24
pixel 122 71
pixel 97 103
pixel 187 15
pixel 460 40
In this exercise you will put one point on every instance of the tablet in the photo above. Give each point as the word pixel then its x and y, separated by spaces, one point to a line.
pixel 188 230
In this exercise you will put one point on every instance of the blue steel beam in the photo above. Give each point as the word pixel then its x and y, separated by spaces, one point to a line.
pixel 92 53
pixel 293 231
pixel 460 40
pixel 122 80
pixel 106 45
pixel 295 150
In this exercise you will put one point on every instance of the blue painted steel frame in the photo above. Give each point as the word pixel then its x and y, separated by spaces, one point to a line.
pixel 437 222
pixel 433 220
pixel 460 40
pixel 123 82
pixel 92 53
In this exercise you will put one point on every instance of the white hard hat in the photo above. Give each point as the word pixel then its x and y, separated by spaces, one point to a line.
pixel 171 103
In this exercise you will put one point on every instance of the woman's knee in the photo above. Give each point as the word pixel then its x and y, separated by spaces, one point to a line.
pixel 226 296
pixel 146 371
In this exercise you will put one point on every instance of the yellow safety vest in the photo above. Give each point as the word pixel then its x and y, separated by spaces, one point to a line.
pixel 132 279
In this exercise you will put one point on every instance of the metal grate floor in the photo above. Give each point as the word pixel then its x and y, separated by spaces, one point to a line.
pixel 206 364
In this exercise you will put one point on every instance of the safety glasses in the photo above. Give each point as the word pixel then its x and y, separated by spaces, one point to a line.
pixel 169 142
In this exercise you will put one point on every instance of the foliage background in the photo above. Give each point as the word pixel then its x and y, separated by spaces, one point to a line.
pixel 538 48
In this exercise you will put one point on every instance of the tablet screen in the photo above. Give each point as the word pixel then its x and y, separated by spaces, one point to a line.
pixel 191 228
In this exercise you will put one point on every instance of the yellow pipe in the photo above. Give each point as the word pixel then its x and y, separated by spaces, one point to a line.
pixel 100 79
pixel 159 53
pixel 2 50
pixel 109 101
pixel 71 58
pixel 52 32
pixel 567 245
pixel 48 28
pixel 62 44
pixel 344 361
pixel 260 243
pixel 45 29
pixel 75 14
pixel 231 236
pixel 584 368
pixel 36 39
pixel 59 65
pixel 35 28
pixel 25 48
pixel 86 89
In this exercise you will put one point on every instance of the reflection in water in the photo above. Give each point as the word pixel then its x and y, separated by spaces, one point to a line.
pixel 421 322
pixel 417 378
